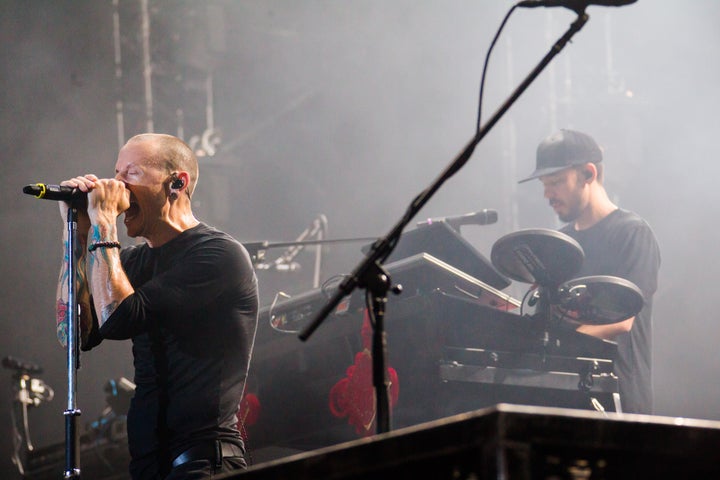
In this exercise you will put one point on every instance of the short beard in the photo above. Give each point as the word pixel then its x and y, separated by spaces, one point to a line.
pixel 570 216
pixel 567 218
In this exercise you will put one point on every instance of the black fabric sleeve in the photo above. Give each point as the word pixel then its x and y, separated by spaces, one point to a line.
pixel 94 338
pixel 640 256
pixel 192 281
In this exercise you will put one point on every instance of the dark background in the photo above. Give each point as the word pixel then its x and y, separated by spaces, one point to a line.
pixel 349 109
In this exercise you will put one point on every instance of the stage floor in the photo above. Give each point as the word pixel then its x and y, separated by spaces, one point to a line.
pixel 514 442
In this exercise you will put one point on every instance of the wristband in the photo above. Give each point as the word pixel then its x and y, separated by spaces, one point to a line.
pixel 97 245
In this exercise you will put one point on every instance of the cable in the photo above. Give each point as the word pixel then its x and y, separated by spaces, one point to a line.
pixel 485 65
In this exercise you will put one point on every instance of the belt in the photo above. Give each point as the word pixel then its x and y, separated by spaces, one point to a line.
pixel 214 451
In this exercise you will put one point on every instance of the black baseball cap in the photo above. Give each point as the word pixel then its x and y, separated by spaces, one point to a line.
pixel 562 150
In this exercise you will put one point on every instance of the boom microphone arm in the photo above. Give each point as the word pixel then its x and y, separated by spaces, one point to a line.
pixel 370 273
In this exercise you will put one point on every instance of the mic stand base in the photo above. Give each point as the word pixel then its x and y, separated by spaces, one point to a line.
pixel 71 438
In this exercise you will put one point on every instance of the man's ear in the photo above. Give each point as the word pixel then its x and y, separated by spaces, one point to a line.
pixel 179 181
pixel 589 172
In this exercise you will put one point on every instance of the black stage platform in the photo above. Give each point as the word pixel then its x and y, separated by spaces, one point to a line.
pixel 517 443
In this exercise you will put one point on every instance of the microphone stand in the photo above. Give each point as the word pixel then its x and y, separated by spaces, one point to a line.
pixel 317 230
pixel 370 275
pixel 257 252
pixel 72 457
pixel 255 248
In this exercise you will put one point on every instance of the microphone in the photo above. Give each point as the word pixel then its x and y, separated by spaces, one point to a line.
pixel 54 192
pixel 576 5
pixel 483 217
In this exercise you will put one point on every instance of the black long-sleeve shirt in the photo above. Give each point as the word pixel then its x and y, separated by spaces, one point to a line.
pixel 192 320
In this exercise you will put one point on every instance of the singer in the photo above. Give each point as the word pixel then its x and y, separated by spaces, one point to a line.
pixel 186 297
pixel 616 242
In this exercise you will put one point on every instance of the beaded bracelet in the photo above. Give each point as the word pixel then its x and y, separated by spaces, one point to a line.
pixel 97 245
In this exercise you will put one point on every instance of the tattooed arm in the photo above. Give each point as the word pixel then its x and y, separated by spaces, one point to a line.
pixel 106 277
pixel 82 293
pixel 107 280
pixel 110 285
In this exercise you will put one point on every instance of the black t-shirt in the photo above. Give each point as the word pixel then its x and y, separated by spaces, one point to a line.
pixel 192 320
pixel 623 245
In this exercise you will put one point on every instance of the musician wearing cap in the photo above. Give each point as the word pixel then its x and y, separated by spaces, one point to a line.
pixel 615 241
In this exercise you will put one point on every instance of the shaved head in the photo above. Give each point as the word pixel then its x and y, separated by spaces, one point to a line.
pixel 171 154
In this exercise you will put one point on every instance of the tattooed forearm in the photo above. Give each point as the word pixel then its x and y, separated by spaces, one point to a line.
pixel 103 268
pixel 103 233
pixel 61 319
pixel 64 270
pixel 106 278
pixel 82 294
pixel 90 264
pixel 80 258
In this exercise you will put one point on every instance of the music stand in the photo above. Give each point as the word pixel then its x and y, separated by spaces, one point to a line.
pixel 445 243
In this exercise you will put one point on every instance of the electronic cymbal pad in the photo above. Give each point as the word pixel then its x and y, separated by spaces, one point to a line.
pixel 599 300
pixel 542 256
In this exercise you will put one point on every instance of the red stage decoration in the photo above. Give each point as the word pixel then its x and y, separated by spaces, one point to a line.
pixel 248 413
pixel 354 396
